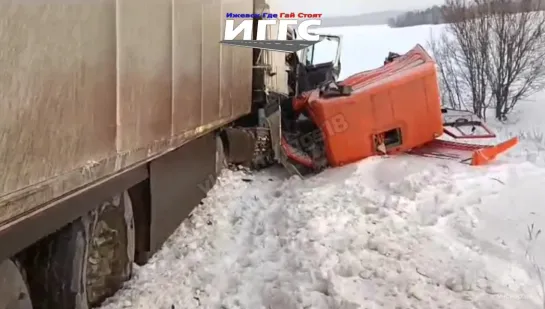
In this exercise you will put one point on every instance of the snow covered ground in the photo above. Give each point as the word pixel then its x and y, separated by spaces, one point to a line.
pixel 400 232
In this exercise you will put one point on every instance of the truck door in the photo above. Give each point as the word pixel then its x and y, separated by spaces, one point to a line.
pixel 322 60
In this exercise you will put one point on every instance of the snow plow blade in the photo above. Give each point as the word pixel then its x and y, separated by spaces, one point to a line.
pixel 465 153
pixel 488 154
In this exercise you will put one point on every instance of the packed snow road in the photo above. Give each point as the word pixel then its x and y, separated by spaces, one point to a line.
pixel 399 232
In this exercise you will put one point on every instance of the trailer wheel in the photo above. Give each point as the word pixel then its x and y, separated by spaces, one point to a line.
pixel 87 261
pixel 14 292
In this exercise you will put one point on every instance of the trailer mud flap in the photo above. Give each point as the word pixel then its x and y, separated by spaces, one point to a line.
pixel 465 153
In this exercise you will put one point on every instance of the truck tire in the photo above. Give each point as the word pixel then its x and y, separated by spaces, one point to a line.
pixel 87 261
pixel 14 292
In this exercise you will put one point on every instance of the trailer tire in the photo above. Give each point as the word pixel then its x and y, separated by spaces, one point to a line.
pixel 14 293
pixel 87 261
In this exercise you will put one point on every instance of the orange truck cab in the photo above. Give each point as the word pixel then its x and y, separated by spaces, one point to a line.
pixel 393 109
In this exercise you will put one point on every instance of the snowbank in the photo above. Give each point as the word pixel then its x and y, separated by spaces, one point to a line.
pixel 386 232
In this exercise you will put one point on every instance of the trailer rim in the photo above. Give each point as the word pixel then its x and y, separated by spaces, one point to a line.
pixel 78 267
pixel 109 261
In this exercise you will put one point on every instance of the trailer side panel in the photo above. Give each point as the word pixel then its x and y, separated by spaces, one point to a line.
pixel 144 76
pixel 92 89
pixel 58 93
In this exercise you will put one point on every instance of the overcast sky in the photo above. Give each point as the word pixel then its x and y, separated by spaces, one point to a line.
pixel 348 7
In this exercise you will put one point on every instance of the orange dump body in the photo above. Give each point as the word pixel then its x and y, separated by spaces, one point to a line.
pixel 398 103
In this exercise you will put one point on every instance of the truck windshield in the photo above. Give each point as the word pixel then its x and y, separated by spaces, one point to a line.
pixel 324 51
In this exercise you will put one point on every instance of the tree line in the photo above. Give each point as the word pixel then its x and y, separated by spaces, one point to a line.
pixel 438 14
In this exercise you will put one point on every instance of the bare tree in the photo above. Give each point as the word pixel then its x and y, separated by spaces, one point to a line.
pixel 517 69
pixel 452 83
pixel 462 56
pixel 491 53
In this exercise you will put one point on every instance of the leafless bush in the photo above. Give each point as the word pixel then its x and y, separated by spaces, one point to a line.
pixel 462 56
pixel 518 56
pixel 492 53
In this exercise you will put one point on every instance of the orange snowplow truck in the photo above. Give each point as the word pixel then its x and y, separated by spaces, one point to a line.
pixel 389 110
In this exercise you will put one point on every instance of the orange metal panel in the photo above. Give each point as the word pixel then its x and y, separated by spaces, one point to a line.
pixel 401 95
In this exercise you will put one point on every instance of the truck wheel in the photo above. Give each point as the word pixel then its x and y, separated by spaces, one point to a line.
pixel 87 261
pixel 14 292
